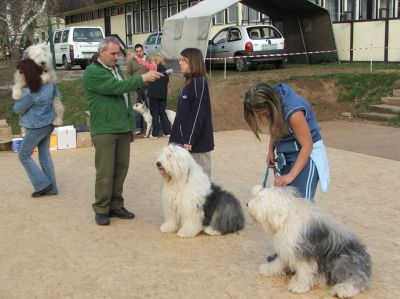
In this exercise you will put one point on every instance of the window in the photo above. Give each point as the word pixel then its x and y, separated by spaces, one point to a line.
pixel 137 17
pixel 254 15
pixel 232 13
pixel 163 2
pixel 172 10
pixel 145 21
pixel 114 11
pixel 121 9
pixel 234 35
pixel 87 35
pixel 57 37
pixel 89 16
pixel 101 13
pixel 350 12
pixel 95 14
pixel 67 20
pixel 333 8
pixel 78 18
pixel 219 18
pixel 163 16
pixel 129 8
pixel 129 27
pixel 220 37
pixel 154 20
pixel 182 5
pixel 152 39
pixel 386 9
pixel 108 12
pixel 193 3
pixel 64 37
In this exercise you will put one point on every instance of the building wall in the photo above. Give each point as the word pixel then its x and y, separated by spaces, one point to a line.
pixel 97 22
pixel 118 26
pixel 366 35
pixel 341 32
pixel 394 41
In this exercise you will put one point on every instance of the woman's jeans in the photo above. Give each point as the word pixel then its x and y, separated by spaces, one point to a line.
pixel 44 176
pixel 157 111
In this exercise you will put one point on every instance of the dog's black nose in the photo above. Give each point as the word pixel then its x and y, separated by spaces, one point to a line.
pixel 158 164
pixel 43 62
pixel 247 204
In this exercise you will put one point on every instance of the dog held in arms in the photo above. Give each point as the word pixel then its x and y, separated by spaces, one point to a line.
pixel 191 203
pixel 145 112
pixel 41 54
pixel 316 248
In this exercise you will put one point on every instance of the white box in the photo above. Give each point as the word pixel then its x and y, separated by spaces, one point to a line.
pixel 66 137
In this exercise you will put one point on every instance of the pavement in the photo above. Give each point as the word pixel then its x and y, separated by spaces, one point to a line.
pixel 50 247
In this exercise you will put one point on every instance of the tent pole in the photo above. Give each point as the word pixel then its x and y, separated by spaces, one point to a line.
pixel 302 38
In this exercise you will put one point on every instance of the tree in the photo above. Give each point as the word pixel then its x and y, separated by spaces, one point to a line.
pixel 16 16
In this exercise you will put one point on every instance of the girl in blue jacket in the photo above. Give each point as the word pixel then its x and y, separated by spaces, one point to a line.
pixel 192 126
pixel 294 136
pixel 37 115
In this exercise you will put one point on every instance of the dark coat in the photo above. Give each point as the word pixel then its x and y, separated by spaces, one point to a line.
pixel 159 88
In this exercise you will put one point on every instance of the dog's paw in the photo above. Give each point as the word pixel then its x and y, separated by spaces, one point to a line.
pixel 270 269
pixel 210 231
pixel 344 290
pixel 168 227
pixel 187 233
pixel 298 286
pixel 16 93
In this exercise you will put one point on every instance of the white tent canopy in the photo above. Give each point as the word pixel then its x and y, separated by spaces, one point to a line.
pixel 190 28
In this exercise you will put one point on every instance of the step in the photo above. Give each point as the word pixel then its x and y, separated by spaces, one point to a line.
pixel 391 100
pixel 396 92
pixel 378 116
pixel 384 108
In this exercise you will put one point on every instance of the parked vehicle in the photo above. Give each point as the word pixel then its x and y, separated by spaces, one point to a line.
pixel 152 43
pixel 76 45
pixel 244 41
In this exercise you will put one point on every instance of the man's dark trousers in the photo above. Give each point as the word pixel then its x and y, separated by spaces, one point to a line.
pixel 112 163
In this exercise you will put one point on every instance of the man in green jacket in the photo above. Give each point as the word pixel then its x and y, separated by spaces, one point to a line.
pixel 111 123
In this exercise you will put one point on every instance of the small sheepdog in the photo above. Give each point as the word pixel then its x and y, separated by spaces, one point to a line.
pixel 316 248
pixel 145 112
pixel 41 54
pixel 191 203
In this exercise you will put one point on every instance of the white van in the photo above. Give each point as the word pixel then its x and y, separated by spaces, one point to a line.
pixel 76 45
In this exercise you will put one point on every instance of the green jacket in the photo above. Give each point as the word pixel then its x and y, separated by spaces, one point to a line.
pixel 108 110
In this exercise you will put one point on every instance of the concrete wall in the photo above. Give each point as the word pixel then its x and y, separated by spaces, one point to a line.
pixel 118 26
pixel 341 32
pixel 394 41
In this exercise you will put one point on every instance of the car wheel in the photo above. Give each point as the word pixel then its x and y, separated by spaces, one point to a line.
pixel 83 66
pixel 66 64
pixel 241 64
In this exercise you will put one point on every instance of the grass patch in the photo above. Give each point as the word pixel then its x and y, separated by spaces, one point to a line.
pixel 395 122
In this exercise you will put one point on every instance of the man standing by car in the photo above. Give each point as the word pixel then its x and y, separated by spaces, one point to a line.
pixel 111 126
pixel 140 95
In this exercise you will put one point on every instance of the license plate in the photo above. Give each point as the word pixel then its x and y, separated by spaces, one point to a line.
pixel 270 47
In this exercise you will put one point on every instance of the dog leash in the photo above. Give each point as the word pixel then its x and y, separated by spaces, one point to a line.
pixel 264 184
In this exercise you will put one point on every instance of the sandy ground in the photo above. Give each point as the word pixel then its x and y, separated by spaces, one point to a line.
pixel 50 247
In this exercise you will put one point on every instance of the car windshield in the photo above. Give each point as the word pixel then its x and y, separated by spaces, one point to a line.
pixel 87 35
pixel 263 32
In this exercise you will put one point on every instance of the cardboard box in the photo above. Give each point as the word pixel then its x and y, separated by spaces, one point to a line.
pixel 5 146
pixel 66 137
pixel 3 123
pixel 5 134
pixel 87 113
pixel 53 141
pixel 83 139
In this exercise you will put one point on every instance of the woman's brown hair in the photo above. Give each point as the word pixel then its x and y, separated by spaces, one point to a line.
pixel 259 97
pixel 196 64
pixel 32 73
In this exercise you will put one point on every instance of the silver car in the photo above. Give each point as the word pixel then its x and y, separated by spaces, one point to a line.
pixel 153 42
pixel 239 43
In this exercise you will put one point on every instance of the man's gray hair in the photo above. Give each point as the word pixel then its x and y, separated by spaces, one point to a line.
pixel 104 43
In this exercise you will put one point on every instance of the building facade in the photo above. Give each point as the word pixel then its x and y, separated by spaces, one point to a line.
pixel 132 21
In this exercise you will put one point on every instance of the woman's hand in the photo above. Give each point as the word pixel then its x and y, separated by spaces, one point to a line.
pixel 271 159
pixel 188 147
pixel 283 180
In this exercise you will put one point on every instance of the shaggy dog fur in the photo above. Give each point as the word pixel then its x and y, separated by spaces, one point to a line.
pixel 41 54
pixel 315 247
pixel 145 112
pixel 191 203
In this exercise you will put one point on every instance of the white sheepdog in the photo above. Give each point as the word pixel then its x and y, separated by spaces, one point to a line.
pixel 41 54
pixel 316 248
pixel 191 203
pixel 145 112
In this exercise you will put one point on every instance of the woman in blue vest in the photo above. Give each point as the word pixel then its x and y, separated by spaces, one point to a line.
pixel 295 141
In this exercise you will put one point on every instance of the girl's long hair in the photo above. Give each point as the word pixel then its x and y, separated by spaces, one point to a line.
pixel 32 73
pixel 196 64
pixel 259 97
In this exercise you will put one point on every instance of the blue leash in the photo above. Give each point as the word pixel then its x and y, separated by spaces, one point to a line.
pixel 264 184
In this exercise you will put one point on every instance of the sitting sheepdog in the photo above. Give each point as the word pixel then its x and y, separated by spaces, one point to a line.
pixel 145 112
pixel 41 54
pixel 191 203
pixel 316 248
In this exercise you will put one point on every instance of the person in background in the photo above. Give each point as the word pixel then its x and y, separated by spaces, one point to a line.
pixel 158 94
pixel 36 115
pixel 192 126
pixel 111 127
pixel 140 94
